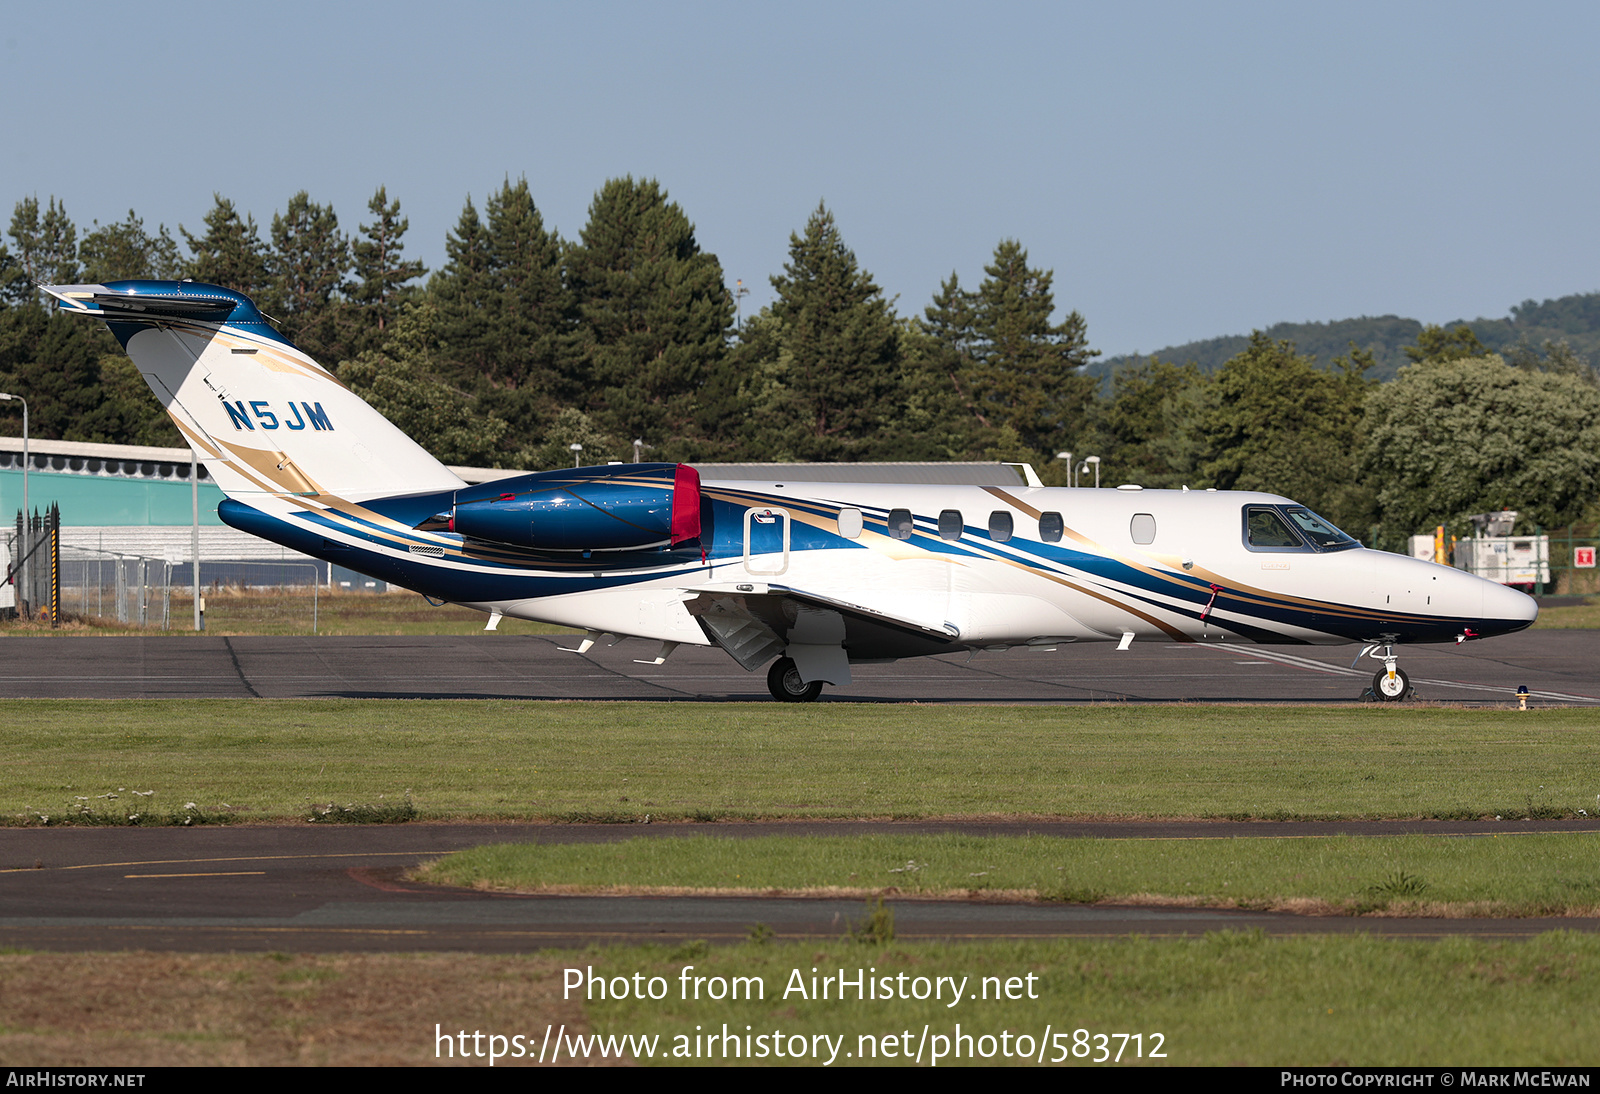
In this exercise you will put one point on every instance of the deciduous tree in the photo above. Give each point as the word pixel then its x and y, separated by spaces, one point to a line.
pixel 1434 343
pixel 1446 439
pixel 1272 420
pixel 1148 430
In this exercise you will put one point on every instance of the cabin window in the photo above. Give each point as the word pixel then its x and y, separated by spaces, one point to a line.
pixel 1050 527
pixel 1000 526
pixel 1143 528
pixel 950 524
pixel 1265 530
pixel 850 523
pixel 900 526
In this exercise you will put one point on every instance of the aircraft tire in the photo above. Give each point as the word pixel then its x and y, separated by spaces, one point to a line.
pixel 1391 692
pixel 783 680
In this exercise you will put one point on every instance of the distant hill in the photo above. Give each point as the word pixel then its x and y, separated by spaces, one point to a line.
pixel 1571 319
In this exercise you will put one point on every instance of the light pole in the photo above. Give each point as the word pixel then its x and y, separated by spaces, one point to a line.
pixel 194 533
pixel 6 398
pixel 1068 457
pixel 577 452
pixel 1095 462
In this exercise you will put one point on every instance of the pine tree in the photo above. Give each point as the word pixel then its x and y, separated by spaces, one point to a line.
pixel 839 349
pixel 654 316
pixel 59 252
pixel 125 250
pixel 463 295
pixel 56 362
pixel 1025 372
pixel 21 268
pixel 126 413
pixel 382 274
pixel 401 382
pixel 230 253
pixel 47 247
pixel 946 357
pixel 14 286
pixel 939 418
pixel 309 264
pixel 504 316
pixel 534 312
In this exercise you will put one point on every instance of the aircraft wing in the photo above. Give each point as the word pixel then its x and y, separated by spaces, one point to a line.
pixel 755 622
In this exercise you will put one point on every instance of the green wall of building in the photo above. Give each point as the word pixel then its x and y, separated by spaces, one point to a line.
pixel 92 500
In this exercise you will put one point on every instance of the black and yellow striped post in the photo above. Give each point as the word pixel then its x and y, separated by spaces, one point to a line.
pixel 55 566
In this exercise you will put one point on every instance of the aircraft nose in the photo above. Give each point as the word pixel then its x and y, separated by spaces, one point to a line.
pixel 1505 605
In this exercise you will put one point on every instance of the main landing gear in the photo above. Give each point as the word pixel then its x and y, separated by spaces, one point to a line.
pixel 1390 684
pixel 783 680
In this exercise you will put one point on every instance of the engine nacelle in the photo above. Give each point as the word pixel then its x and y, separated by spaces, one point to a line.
pixel 618 508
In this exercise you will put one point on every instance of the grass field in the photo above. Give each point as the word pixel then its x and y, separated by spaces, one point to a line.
pixel 1519 874
pixel 1585 616
pixel 1227 999
pixel 231 612
pixel 277 759
pixel 1221 1000
pixel 1224 1000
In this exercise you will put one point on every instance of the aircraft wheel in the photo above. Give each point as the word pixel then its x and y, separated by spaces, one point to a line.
pixel 1391 691
pixel 783 680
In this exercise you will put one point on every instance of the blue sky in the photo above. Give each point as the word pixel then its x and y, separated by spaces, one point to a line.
pixel 1187 170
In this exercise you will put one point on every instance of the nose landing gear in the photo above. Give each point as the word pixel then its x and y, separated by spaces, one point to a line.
pixel 1390 684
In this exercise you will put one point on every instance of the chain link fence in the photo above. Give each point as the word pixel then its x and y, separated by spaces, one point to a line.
pixel 130 589
pixel 64 583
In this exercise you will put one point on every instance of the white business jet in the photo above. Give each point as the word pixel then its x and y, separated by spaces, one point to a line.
pixel 810 577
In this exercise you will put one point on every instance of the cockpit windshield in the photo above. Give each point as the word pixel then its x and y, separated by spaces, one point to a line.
pixel 1291 528
pixel 1265 530
pixel 1322 534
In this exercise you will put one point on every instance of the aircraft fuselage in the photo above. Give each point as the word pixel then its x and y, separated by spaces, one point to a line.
pixel 985 566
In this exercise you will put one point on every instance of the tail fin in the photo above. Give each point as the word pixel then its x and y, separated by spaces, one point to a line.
pixel 265 418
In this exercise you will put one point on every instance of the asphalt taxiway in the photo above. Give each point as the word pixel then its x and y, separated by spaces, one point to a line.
pixel 314 889
pixel 309 888
pixel 1559 667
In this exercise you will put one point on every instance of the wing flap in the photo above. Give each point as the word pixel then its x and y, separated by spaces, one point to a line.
pixel 756 623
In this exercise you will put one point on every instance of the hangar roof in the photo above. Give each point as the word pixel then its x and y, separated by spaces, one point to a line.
pixel 139 461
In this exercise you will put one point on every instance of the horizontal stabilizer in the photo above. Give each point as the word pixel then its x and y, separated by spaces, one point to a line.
pixel 171 307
